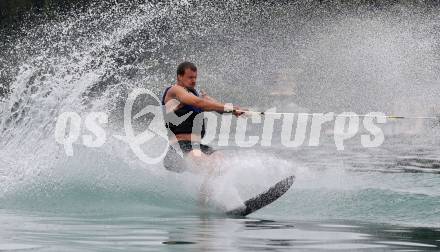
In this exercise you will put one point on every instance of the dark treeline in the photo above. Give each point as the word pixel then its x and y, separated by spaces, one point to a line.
pixel 11 9
pixel 12 12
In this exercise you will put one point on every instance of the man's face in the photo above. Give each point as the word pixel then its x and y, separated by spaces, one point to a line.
pixel 188 79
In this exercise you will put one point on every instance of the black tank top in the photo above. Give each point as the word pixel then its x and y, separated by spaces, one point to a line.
pixel 195 121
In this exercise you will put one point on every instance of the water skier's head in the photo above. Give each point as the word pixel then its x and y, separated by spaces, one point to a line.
pixel 187 75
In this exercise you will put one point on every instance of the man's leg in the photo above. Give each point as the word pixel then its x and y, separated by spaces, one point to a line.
pixel 209 166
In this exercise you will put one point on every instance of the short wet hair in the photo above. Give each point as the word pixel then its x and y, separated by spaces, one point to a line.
pixel 185 65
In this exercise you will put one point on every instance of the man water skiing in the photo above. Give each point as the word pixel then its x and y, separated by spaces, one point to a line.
pixel 186 127
pixel 182 101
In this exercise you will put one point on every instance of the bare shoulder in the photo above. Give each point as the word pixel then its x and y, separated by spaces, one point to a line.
pixel 175 89
pixel 179 93
pixel 171 92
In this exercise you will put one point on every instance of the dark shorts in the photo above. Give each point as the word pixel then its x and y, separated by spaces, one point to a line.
pixel 174 161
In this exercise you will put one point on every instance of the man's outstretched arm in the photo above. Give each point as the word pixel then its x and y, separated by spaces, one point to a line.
pixel 182 95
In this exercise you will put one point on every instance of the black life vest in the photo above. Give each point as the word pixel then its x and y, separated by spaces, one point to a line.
pixel 186 127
